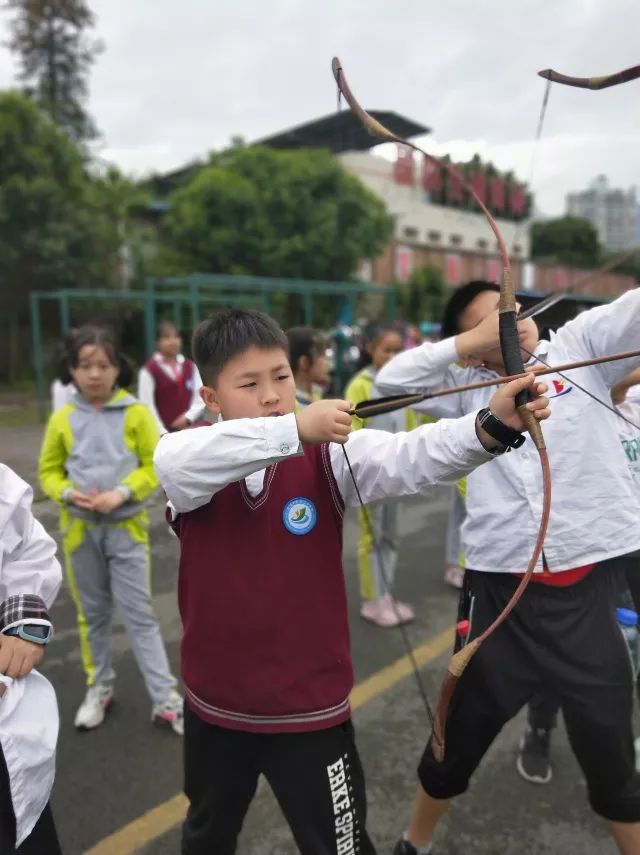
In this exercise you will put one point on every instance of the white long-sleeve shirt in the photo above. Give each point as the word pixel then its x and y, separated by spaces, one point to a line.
pixel 28 708
pixel 630 433
pixel 147 385
pixel 595 511
pixel 194 465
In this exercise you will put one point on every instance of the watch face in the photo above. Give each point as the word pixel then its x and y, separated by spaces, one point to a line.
pixel 38 630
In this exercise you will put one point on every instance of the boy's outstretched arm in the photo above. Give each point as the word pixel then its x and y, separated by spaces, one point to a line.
pixel 195 464
pixel 402 464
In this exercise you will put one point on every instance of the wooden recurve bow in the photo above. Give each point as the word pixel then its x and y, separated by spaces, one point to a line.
pixel 514 365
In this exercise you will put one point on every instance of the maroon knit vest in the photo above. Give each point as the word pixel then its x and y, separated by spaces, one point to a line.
pixel 172 398
pixel 262 598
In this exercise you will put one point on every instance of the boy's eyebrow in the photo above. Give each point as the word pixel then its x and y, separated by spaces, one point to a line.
pixel 279 367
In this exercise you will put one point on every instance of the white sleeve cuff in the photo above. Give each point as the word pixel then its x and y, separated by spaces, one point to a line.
pixel 466 438
pixel 281 434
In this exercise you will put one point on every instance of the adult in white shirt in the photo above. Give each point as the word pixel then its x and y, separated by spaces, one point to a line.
pixel 534 757
pixel 30 577
pixel 563 632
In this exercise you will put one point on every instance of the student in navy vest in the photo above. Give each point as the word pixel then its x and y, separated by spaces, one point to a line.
pixel 257 501
pixel 169 384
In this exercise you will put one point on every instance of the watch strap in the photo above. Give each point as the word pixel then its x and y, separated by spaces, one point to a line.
pixel 499 431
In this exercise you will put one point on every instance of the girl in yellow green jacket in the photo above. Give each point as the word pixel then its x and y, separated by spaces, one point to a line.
pixel 377 544
pixel 96 463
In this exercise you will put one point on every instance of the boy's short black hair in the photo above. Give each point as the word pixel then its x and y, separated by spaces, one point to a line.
pixel 230 332
pixel 459 301
pixel 305 341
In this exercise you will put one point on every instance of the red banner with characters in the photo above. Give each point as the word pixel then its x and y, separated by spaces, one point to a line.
pixel 404 263
pixel 403 168
pixel 455 191
pixel 496 194
pixel 431 175
pixel 517 200
pixel 479 184
pixel 452 268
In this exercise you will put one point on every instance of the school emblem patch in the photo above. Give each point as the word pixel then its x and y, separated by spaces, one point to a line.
pixel 299 515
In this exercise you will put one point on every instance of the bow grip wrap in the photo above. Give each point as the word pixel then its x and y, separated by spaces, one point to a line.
pixel 511 355
pixel 512 358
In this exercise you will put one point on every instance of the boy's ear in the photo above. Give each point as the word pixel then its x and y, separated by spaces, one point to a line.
pixel 210 398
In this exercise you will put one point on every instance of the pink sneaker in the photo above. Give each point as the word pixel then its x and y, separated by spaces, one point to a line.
pixel 385 612
pixel 454 576
pixel 169 714
pixel 405 612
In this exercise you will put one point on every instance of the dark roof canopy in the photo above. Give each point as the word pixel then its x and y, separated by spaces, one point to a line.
pixel 342 131
pixel 338 132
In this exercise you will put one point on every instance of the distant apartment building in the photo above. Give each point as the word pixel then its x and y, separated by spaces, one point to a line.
pixel 613 213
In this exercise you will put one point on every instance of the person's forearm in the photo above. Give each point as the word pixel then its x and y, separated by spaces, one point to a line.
pixel 193 465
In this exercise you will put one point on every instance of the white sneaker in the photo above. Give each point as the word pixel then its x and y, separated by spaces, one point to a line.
pixel 170 713
pixel 454 576
pixel 93 709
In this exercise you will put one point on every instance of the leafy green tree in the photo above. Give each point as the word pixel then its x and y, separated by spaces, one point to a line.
pixel 117 240
pixel 422 298
pixel 568 240
pixel 55 55
pixel 260 211
pixel 44 224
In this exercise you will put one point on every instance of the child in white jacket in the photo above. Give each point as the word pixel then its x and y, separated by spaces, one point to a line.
pixel 30 577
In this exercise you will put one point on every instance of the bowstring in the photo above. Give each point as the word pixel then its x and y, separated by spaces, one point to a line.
pixel 402 627
pixel 366 516
pixel 534 157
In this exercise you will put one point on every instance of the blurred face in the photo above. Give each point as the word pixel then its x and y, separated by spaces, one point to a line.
pixel 388 345
pixel 477 311
pixel 258 382
pixel 95 375
pixel 319 369
pixel 169 345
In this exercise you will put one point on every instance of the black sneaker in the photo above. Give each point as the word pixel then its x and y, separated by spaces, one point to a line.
pixel 533 760
pixel 403 847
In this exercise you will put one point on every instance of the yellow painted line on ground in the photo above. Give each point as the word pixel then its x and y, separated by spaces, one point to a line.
pixel 162 818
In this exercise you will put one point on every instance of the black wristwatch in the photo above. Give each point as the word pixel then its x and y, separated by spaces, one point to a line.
pixel 499 431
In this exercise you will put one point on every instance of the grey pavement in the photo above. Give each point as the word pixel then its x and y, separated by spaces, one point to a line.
pixel 111 776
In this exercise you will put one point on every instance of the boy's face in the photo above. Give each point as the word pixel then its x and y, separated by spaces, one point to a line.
pixel 257 382
pixel 483 305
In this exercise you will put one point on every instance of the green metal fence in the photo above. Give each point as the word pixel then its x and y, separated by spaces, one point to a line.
pixel 189 297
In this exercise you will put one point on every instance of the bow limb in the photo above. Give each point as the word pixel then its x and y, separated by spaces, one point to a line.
pixel 602 82
pixel 512 357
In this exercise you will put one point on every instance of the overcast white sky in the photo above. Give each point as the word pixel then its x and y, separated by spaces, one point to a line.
pixel 180 77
